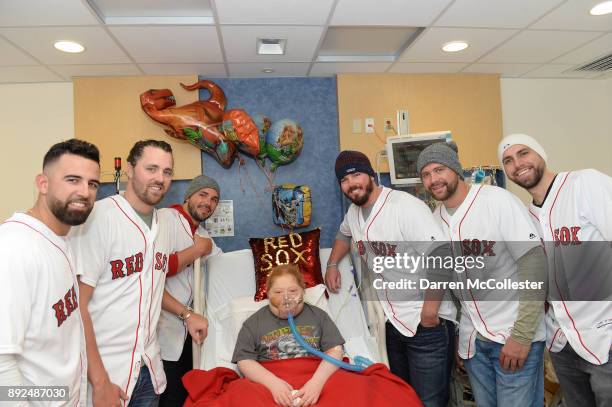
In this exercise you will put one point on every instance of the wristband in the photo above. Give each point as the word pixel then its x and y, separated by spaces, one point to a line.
pixel 185 314
pixel 330 265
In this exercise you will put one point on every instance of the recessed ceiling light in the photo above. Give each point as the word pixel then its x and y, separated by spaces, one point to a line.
pixel 267 70
pixel 271 46
pixel 602 8
pixel 69 46
pixel 454 46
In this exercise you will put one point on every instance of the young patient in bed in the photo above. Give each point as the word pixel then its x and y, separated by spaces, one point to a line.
pixel 266 336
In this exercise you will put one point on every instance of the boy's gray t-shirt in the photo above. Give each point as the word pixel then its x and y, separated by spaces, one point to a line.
pixel 264 336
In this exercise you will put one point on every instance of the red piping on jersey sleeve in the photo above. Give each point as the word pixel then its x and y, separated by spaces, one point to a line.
pixel 173 261
pixel 173 265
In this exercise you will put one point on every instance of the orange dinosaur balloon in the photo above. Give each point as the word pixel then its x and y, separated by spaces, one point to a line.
pixel 197 122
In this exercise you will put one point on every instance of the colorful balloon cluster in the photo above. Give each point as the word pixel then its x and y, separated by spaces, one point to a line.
pixel 219 132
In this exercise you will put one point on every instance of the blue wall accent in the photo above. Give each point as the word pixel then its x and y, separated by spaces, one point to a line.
pixel 312 102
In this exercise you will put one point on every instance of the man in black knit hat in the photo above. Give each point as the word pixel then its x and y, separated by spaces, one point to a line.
pixel 383 224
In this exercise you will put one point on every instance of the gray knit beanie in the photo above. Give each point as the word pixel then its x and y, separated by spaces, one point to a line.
pixel 444 153
pixel 199 182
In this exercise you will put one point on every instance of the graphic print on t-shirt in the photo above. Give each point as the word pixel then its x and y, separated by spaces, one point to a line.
pixel 281 344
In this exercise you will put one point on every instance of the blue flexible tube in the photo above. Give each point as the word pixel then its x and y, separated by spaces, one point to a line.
pixel 362 362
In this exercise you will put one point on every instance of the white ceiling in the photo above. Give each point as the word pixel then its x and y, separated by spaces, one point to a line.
pixel 216 38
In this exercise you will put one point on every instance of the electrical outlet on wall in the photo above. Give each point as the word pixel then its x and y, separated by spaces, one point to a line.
pixel 369 125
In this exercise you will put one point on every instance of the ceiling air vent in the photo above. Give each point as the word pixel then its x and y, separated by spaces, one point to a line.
pixel 599 65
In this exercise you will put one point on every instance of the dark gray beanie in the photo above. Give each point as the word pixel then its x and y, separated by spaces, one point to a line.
pixel 199 182
pixel 444 153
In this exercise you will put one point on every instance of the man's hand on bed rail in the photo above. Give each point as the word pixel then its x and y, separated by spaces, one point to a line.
pixel 197 325
pixel 332 278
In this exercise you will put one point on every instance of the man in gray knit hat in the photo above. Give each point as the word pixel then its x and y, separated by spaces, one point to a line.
pixel 176 323
pixel 501 331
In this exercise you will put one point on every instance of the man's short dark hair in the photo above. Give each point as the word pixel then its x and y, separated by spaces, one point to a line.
pixel 73 146
pixel 138 148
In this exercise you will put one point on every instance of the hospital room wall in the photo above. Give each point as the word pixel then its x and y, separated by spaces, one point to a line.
pixel 467 105
pixel 571 118
pixel 312 102
pixel 33 117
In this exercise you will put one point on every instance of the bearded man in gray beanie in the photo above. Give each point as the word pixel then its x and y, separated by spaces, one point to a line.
pixel 176 326
pixel 501 331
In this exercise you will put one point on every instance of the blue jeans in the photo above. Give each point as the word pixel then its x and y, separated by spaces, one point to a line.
pixel 495 387
pixel 144 394
pixel 584 384
pixel 424 361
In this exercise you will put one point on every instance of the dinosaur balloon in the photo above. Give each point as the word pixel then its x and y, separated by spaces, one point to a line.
pixel 197 122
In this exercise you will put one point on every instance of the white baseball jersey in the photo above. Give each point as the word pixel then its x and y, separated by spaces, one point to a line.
pixel 171 330
pixel 40 320
pixel 126 263
pixel 397 217
pixel 492 223
pixel 578 209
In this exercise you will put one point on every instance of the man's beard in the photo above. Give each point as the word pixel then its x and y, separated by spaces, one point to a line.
pixel 193 212
pixel 68 216
pixel 535 180
pixel 144 196
pixel 363 199
pixel 451 187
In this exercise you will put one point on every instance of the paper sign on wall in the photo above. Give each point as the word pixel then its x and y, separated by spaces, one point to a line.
pixel 221 223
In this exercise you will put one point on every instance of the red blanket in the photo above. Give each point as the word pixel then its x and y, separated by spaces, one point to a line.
pixel 375 386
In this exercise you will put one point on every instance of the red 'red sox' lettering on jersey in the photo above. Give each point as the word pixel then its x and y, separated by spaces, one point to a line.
pixel 65 306
pixel 161 262
pixel 478 247
pixel 566 236
pixel 129 266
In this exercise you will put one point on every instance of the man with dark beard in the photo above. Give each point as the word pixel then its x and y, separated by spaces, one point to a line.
pixel 122 256
pixel 41 334
pixel 385 223
pixel 176 324
pixel 501 332
pixel 573 211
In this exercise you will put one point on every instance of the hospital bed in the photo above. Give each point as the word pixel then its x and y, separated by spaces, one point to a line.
pixel 226 299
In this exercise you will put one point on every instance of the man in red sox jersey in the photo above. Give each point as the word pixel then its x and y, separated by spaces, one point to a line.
pixel 122 256
pixel 177 320
pixel 419 334
pixel 570 208
pixel 501 331
pixel 41 332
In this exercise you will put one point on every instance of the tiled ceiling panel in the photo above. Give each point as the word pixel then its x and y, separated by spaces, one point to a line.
pixel 403 13
pixel 17 74
pixel 184 69
pixel 298 12
pixel 170 44
pixel 365 40
pixel 240 42
pixel 70 71
pixel 420 67
pixel 495 13
pixel 279 69
pixel 331 68
pixel 25 13
pixel 510 70
pixel 38 42
pixel 574 15
pixel 428 47
pixel 10 55
pixel 538 46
